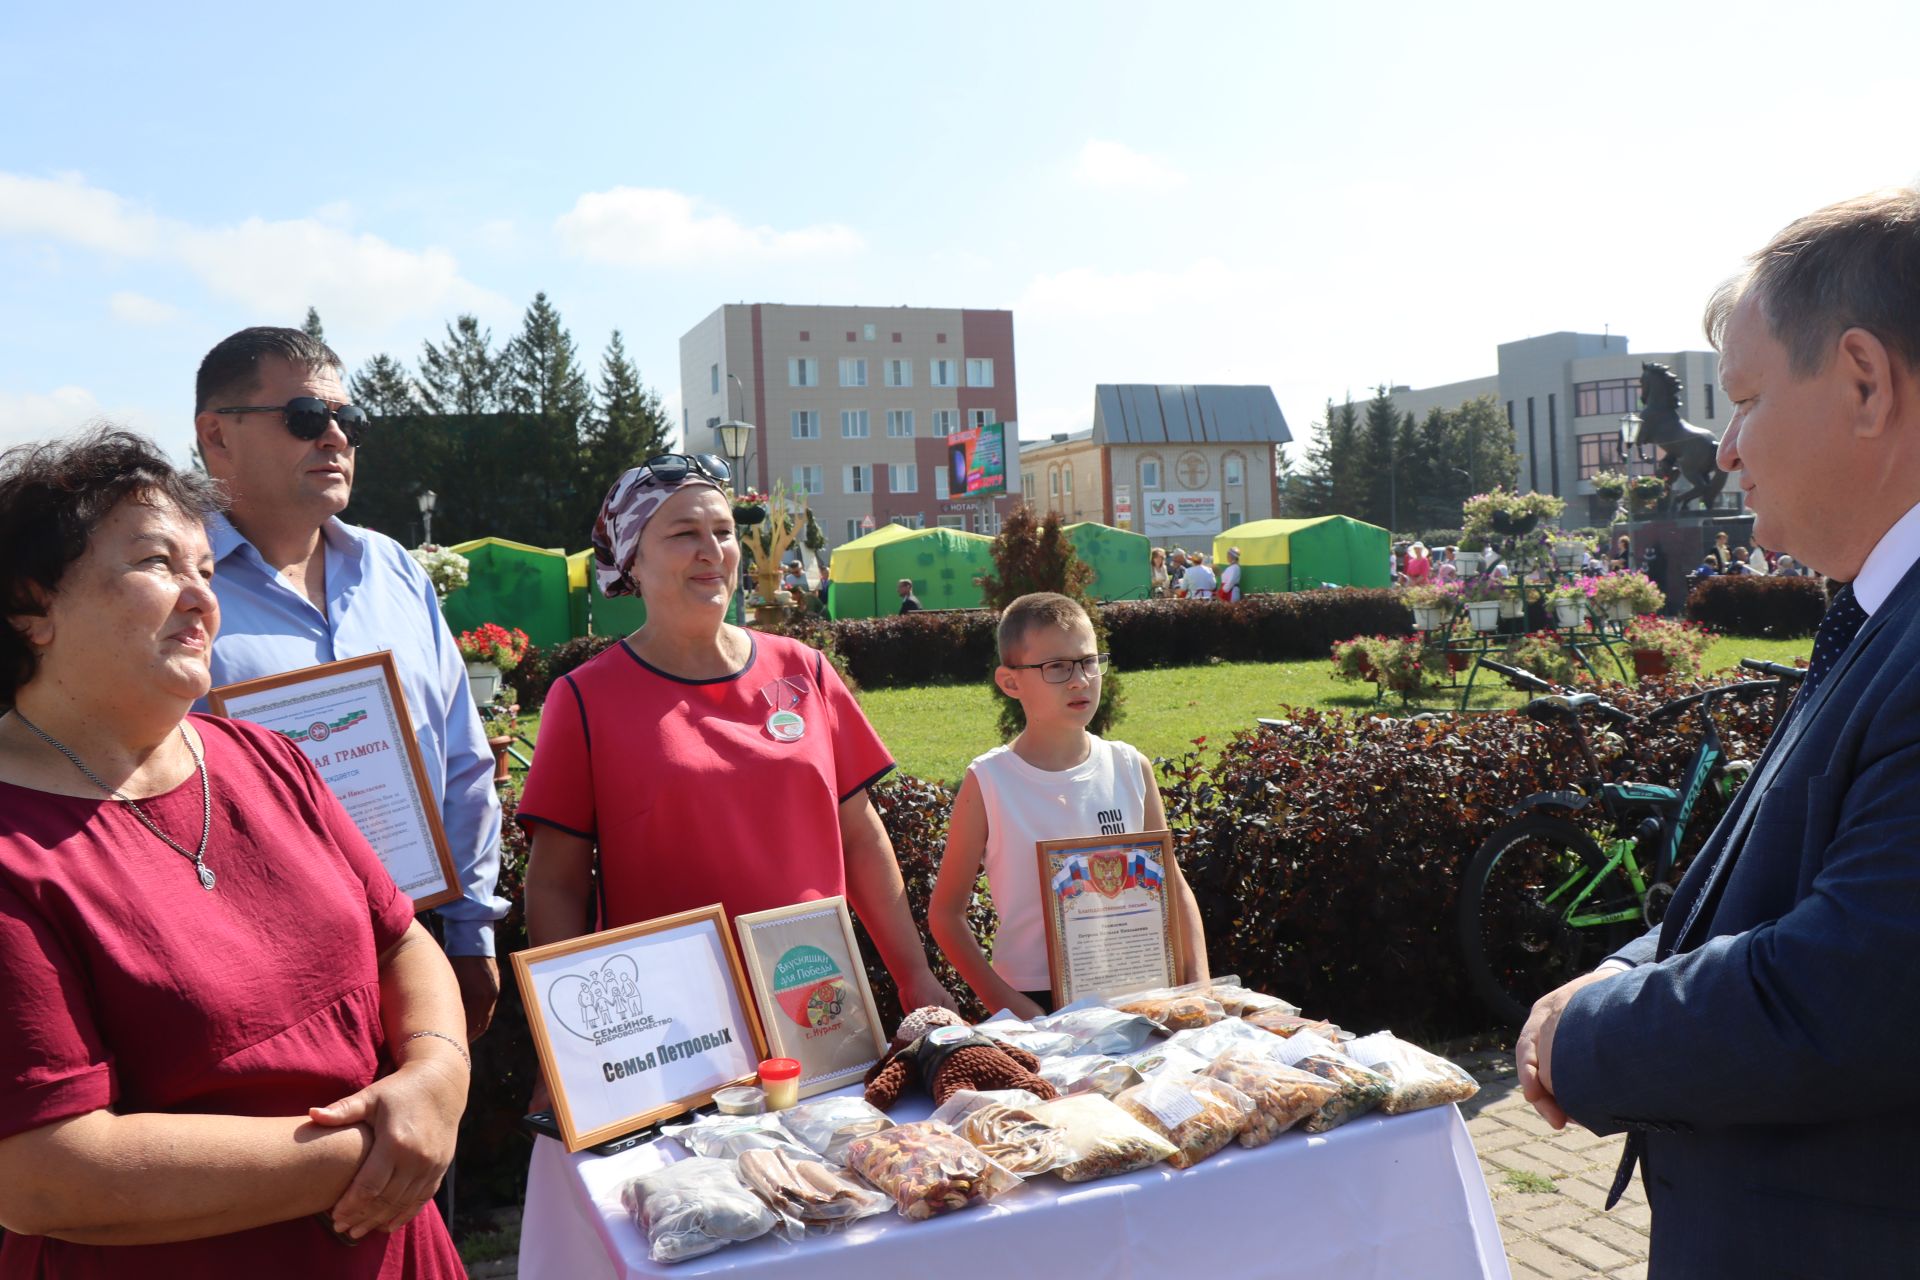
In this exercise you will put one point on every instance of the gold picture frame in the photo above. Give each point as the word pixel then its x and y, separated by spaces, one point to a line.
pixel 810 987
pixel 390 802
pixel 1126 936
pixel 624 1044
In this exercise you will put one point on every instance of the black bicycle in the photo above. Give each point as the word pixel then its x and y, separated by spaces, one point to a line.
pixel 1577 874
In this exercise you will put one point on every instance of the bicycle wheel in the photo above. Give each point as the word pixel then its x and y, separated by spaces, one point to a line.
pixel 1520 894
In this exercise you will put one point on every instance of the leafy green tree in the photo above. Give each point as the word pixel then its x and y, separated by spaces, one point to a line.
pixel 462 376
pixel 1033 555
pixel 383 388
pixel 312 325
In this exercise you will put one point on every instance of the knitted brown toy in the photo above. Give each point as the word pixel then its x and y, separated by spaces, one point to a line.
pixel 935 1047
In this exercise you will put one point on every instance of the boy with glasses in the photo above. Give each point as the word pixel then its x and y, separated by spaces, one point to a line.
pixel 1054 781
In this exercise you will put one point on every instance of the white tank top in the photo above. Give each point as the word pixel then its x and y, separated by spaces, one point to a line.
pixel 1104 795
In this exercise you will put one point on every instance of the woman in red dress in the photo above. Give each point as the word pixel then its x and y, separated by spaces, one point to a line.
pixel 226 1048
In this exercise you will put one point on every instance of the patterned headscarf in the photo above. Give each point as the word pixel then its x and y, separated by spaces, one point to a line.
pixel 629 504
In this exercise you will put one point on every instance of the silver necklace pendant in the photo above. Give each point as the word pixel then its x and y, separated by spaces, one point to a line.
pixel 206 876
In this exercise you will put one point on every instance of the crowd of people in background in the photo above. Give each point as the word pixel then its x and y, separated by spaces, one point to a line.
pixel 1415 564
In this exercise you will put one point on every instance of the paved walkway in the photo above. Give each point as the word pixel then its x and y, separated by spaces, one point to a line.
pixel 1547 1189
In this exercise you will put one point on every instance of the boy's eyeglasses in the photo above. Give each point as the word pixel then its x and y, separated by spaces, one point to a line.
pixel 1061 670
pixel 672 468
pixel 306 417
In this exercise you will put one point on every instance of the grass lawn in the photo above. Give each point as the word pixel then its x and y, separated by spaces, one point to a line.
pixel 934 730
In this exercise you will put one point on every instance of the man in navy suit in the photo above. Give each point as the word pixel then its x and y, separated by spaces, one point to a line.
pixel 1762 1046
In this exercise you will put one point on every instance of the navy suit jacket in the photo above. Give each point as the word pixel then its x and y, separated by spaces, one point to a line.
pixel 1767 1042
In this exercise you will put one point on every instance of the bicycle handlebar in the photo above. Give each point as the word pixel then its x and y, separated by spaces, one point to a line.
pixel 1774 669
pixel 1521 675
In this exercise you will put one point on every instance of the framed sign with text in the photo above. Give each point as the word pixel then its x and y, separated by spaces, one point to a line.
pixel 1110 929
pixel 639 1024
pixel 350 719
pixel 812 993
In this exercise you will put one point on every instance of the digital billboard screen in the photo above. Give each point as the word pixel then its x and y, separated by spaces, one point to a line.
pixel 977 461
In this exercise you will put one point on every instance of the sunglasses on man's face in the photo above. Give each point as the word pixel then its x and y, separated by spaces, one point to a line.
pixel 307 417
pixel 672 468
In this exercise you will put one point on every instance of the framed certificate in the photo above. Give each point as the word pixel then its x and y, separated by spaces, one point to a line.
pixel 350 720
pixel 639 1024
pixel 811 991
pixel 1109 927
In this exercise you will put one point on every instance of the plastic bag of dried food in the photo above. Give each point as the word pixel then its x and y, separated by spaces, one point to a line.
pixel 1104 1076
pixel 1165 1058
pixel 694 1207
pixel 1024 1035
pixel 728 1137
pixel 807 1195
pixel 1002 1123
pixel 1099 1029
pixel 1222 1036
pixel 1282 1023
pixel 827 1126
pixel 1239 1000
pixel 1361 1090
pixel 1102 1140
pixel 1197 1114
pixel 1175 1008
pixel 928 1169
pixel 1420 1079
pixel 1281 1095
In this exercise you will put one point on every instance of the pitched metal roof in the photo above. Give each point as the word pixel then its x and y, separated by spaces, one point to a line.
pixel 1141 413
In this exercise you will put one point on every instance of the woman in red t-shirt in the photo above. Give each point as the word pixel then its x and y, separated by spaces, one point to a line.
pixel 696 762
pixel 223 1038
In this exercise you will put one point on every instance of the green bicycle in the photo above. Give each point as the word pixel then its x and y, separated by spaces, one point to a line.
pixel 1543 899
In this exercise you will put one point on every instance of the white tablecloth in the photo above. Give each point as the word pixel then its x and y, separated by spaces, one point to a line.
pixel 1380 1198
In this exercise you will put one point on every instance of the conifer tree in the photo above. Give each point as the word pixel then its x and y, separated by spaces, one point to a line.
pixel 627 426
pixel 463 375
pixel 383 388
pixel 311 325
pixel 540 369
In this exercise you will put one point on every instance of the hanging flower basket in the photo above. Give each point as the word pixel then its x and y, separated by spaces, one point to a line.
pixel 1513 606
pixel 1566 555
pixel 1484 614
pixel 1467 563
pixel 1429 618
pixel 1617 610
pixel 1569 613
pixel 1649 662
pixel 1456 662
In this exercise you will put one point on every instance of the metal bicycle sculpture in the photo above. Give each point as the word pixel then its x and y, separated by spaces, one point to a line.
pixel 1576 874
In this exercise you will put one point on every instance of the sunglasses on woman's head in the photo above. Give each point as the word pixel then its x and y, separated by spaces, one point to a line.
pixel 306 417
pixel 672 468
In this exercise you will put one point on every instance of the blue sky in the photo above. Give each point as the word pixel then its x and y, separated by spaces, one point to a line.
pixel 1316 198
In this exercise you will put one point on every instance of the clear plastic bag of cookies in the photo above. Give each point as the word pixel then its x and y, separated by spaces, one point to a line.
pixel 1102 1140
pixel 928 1169
pixel 1420 1079
pixel 1197 1114
pixel 1239 1000
pixel 1182 1008
pixel 1283 1023
pixel 1281 1095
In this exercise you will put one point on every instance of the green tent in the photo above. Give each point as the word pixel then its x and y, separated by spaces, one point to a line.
pixel 516 586
pixel 852 570
pixel 943 564
pixel 1298 555
pixel 1122 561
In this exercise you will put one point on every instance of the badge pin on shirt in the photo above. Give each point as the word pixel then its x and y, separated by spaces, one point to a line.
pixel 784 723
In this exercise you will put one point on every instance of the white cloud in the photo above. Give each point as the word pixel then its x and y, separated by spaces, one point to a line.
pixel 44 415
pixel 655 227
pixel 274 268
pixel 1115 165
pixel 136 308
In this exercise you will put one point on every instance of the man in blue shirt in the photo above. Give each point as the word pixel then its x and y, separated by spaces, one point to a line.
pixel 298 587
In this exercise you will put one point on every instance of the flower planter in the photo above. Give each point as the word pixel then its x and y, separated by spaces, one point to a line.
pixel 1569 613
pixel 1428 617
pixel 500 757
pixel 483 681
pixel 1566 555
pixel 1484 614
pixel 1467 562
pixel 1617 611
pixel 1513 607
pixel 1649 662
pixel 1456 662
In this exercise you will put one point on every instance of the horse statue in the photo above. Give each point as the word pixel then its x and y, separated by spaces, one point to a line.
pixel 1685 450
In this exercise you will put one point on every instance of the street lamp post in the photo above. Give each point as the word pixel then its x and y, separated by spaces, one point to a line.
pixel 736 439
pixel 428 499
